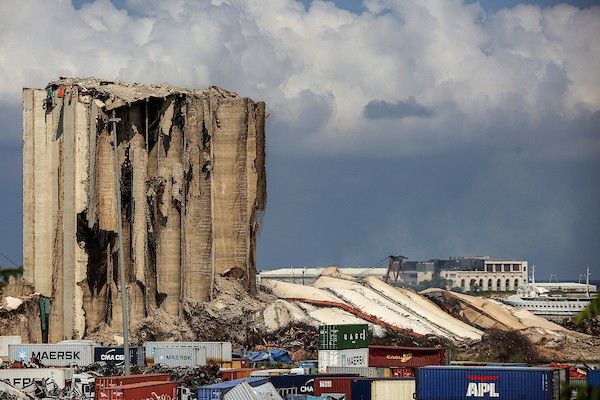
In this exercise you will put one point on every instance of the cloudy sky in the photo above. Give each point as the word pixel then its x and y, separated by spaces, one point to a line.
pixel 428 129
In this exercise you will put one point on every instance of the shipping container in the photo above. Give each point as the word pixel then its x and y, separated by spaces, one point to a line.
pixel 270 372
pixel 487 364
pixel 142 391
pixel 365 372
pixel 236 363
pixel 383 389
pixel 456 382
pixel 336 385
pixel 593 381
pixel 215 351
pixel 341 337
pixel 244 391
pixel 53 355
pixel 82 341
pixel 593 378
pixel 4 342
pixel 115 355
pixel 343 358
pixel 235 373
pixel 404 372
pixel 180 356
pixel 300 384
pixel 103 383
pixel 27 379
pixel 217 390
pixel 393 356
pixel 309 364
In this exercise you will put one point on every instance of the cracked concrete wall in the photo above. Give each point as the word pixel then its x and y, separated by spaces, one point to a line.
pixel 193 188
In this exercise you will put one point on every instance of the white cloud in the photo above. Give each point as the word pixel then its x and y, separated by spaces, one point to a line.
pixel 469 68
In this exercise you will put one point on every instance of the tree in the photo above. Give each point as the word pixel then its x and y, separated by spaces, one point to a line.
pixel 591 311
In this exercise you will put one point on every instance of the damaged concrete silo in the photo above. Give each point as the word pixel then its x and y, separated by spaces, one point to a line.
pixel 192 175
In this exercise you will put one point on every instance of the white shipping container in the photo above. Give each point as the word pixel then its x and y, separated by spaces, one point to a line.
pixel 215 351
pixel 354 358
pixel 5 341
pixel 393 389
pixel 328 358
pixel 180 356
pixel 367 372
pixel 27 379
pixel 53 355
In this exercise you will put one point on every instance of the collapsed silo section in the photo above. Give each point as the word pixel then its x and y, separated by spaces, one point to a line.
pixel 193 185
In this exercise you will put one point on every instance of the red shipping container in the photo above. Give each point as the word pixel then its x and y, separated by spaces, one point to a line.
pixel 339 385
pixel 244 361
pixel 102 383
pixel 403 372
pixel 236 373
pixel 143 391
pixel 412 357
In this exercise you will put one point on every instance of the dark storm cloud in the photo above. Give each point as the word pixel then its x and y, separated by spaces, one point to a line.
pixel 377 109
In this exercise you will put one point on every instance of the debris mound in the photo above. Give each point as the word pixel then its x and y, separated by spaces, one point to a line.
pixel 504 346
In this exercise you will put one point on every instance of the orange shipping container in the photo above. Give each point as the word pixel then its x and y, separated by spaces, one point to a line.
pixel 236 373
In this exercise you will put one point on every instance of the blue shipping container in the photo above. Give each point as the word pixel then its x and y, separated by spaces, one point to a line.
pixel 217 390
pixel 593 378
pixel 115 355
pixel 299 384
pixel 454 382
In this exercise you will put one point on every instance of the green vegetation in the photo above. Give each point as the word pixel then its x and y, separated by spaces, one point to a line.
pixel 591 311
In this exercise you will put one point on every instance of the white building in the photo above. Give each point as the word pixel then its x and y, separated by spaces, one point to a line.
pixel 489 275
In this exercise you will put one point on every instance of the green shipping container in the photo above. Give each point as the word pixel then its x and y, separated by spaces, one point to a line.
pixel 341 337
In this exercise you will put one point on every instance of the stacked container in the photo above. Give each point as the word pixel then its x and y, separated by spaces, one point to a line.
pixel 217 390
pixel 231 374
pixel 593 381
pixel 142 391
pixel 103 384
pixel 4 342
pixel 180 356
pixel 289 385
pixel 343 346
pixel 53 355
pixel 452 382
pixel 116 355
pixel 25 378
pixel 218 352
pixel 383 389
pixel 365 372
pixel 403 361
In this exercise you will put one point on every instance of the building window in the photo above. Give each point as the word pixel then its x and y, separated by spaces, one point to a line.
pixel 489 285
pixel 499 285
pixel 508 284
pixel 516 284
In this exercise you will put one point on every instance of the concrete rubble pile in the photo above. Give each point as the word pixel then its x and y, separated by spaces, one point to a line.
pixel 369 301
pixel 193 187
pixel 490 314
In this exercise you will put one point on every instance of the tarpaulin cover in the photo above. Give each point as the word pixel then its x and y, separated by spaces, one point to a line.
pixel 270 356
